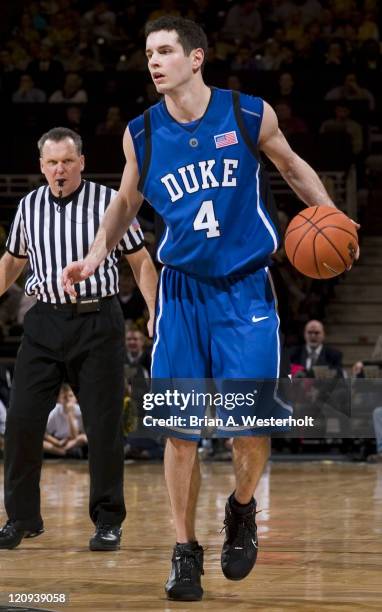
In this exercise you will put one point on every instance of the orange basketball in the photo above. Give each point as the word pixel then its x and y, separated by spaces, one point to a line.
pixel 321 242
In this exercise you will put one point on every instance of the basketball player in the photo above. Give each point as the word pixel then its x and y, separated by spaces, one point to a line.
pixel 195 157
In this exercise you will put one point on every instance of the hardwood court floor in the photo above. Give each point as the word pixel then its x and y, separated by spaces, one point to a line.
pixel 320 542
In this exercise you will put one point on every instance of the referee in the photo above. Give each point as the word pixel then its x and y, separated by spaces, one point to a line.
pixel 78 340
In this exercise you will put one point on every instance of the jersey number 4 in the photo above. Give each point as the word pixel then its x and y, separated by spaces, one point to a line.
pixel 206 220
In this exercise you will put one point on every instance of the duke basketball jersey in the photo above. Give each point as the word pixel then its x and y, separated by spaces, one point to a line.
pixel 216 315
pixel 206 182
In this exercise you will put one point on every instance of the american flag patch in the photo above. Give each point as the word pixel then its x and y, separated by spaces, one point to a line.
pixel 225 140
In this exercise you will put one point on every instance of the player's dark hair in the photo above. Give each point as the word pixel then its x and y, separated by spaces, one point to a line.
pixel 190 34
pixel 60 133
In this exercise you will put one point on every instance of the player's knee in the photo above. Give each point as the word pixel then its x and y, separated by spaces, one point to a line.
pixel 253 443
pixel 182 448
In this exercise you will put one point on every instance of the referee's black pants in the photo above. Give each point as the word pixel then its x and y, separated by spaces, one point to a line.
pixel 87 351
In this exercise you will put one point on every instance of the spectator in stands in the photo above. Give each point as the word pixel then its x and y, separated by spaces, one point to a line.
pixel 128 20
pixel 129 296
pixel 327 23
pixel 375 357
pixel 20 56
pixel 286 85
pixel 24 33
pixel 72 92
pixel 64 430
pixel 113 124
pixel 137 371
pixel 279 35
pixel 147 97
pixel 84 41
pixel 342 122
pixel 342 8
pixel 204 12
pixel 289 123
pixel 288 58
pixel 351 43
pixel 304 55
pixel 242 23
pixel 73 118
pixel 335 54
pixel 286 90
pixel 39 20
pixel 213 58
pixel 243 59
pixel 335 63
pixel 111 94
pixel 368 29
pixel 294 28
pixel 350 90
pixel 70 59
pixel 45 65
pixel 310 11
pixel 6 61
pixel 167 7
pixel 272 55
pixel 314 35
pixel 27 92
pixel 100 21
pixel 62 30
pixel 135 60
pixel 314 352
pixel 136 353
pixel 233 82
pixel 281 11
pixel 369 57
pixel 86 62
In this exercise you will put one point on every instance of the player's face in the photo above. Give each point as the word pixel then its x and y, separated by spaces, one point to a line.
pixel 60 162
pixel 168 65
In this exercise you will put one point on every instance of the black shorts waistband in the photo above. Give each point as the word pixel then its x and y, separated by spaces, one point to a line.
pixel 85 304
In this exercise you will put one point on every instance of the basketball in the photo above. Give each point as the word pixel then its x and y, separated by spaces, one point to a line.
pixel 321 242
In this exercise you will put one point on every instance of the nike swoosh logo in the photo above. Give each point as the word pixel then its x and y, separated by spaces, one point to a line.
pixel 257 319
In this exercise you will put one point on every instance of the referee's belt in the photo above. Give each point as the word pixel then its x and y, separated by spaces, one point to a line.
pixel 80 306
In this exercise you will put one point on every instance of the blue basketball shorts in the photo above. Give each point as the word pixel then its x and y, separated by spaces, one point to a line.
pixel 224 329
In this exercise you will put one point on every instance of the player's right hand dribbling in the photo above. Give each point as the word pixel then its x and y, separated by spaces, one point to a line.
pixel 75 272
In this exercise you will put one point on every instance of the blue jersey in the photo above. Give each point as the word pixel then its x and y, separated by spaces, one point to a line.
pixel 206 182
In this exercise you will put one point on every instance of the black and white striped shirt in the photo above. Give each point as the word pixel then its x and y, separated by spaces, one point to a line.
pixel 52 234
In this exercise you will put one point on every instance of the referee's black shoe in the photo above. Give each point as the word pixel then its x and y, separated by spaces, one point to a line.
pixel 10 536
pixel 240 546
pixel 106 537
pixel 183 583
